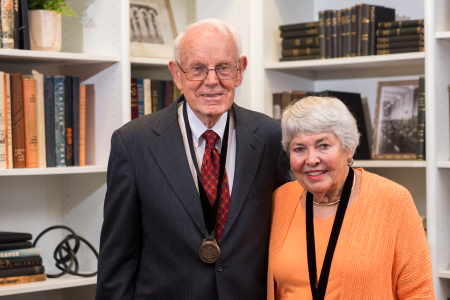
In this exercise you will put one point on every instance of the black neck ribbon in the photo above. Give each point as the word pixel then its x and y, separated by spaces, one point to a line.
pixel 319 292
pixel 209 213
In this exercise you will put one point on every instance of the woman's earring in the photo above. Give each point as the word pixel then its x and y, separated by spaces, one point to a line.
pixel 350 162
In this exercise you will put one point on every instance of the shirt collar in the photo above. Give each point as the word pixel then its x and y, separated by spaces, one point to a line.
pixel 198 128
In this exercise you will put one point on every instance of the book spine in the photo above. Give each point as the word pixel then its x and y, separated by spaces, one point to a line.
pixel 8 122
pixel 334 40
pixel 17 245
pixel 9 237
pixel 401 50
pixel 343 21
pixel 401 45
pixel 304 42
pixel 147 96
pixel 300 51
pixel 372 44
pixel 40 118
pixel 31 141
pixel 22 279
pixel 276 97
pixel 302 57
pixel 421 121
pixel 298 26
pixel 403 38
pixel 3 126
pixel 299 33
pixel 82 125
pixel 24 32
pixel 22 271
pixel 76 120
pixel 154 86
pixel 401 24
pixel 68 103
pixel 21 262
pixel 168 93
pixel 358 10
pixel 353 31
pixel 176 92
pixel 140 92
pixel 49 104
pixel 161 94
pixel 338 33
pixel 20 253
pixel 328 44
pixel 285 99
pixel 348 32
pixel 18 129
pixel 134 99
pixel 400 31
pixel 16 24
pixel 365 24
pixel 60 130
pixel 7 20
pixel 321 36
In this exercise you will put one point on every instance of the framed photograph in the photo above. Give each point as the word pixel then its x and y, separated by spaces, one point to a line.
pixel 152 28
pixel 395 132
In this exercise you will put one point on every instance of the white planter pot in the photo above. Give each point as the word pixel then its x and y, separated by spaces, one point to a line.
pixel 45 30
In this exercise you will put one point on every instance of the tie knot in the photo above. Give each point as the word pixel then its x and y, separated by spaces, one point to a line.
pixel 211 139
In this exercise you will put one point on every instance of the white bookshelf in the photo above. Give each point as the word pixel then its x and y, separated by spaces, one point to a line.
pixel 389 164
pixel 149 62
pixel 443 35
pixel 54 171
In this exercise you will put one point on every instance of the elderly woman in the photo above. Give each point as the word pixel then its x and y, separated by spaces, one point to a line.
pixel 339 233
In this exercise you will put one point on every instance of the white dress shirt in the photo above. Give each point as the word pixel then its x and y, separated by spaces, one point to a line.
pixel 198 128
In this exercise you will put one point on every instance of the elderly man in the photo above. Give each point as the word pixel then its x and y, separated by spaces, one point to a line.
pixel 165 236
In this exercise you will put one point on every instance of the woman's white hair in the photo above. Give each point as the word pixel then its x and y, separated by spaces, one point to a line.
pixel 320 114
pixel 222 26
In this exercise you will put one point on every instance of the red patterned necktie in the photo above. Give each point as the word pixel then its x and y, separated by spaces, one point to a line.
pixel 210 178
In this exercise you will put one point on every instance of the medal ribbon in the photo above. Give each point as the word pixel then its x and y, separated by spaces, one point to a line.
pixel 319 292
pixel 209 213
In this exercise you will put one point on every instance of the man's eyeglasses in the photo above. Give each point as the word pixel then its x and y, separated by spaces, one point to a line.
pixel 199 73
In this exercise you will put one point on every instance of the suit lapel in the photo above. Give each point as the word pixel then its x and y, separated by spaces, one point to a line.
pixel 169 152
pixel 249 148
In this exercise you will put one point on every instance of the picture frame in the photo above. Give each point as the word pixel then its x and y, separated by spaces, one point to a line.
pixel 395 130
pixel 152 29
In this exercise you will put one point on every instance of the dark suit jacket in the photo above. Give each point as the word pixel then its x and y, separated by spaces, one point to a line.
pixel 153 221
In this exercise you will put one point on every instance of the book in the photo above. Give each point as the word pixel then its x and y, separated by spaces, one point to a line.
pixel 3 120
pixel 24 26
pixel 40 118
pixel 348 32
pixel 49 105
pixel 154 87
pixel 402 38
pixel 400 31
pixel 161 84
pixel 328 44
pixel 22 279
pixel 401 45
pixel 421 121
pixel 31 139
pixel 353 31
pixel 298 26
pixel 365 27
pixel 60 140
pixel 176 92
pixel 168 93
pixel 22 271
pixel 7 20
pixel 300 51
pixel 343 22
pixel 134 99
pixel 303 57
pixel 76 119
pixel 400 24
pixel 16 23
pixel 321 37
pixel 147 97
pixel 15 245
pixel 20 253
pixel 68 122
pixel 299 33
pixel 82 125
pixel 140 92
pixel 303 42
pixel 400 50
pixel 8 122
pixel 338 33
pixel 354 104
pixel 10 237
pixel 287 97
pixel 377 14
pixel 358 14
pixel 333 38
pixel 276 100
pixel 18 122
pixel 20 262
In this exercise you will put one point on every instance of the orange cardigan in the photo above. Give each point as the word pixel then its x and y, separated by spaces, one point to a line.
pixel 387 254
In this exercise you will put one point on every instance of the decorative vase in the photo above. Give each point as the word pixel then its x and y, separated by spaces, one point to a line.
pixel 45 30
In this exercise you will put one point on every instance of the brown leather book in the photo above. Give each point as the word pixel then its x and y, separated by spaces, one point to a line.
pixel 22 279
pixel 31 139
pixel 18 122
pixel 82 125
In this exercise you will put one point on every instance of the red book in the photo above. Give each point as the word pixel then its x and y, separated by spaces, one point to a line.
pixel 168 93
pixel 134 99
pixel 82 125
pixel 18 127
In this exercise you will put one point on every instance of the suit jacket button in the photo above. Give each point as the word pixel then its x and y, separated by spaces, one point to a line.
pixel 220 268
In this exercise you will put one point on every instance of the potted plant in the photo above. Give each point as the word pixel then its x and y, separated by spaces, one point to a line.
pixel 45 23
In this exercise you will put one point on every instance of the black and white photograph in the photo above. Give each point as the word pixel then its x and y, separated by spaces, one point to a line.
pixel 395 132
pixel 145 24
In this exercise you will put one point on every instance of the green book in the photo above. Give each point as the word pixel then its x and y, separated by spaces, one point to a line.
pixel 421 121
pixel 20 253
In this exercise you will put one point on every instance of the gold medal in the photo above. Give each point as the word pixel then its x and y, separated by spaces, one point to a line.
pixel 209 252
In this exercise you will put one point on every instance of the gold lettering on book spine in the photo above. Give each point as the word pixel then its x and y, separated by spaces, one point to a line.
pixel 365 37
pixel 311 25
pixel 400 24
pixel 297 42
pixel 398 31
pixel 309 41
pixel 295 52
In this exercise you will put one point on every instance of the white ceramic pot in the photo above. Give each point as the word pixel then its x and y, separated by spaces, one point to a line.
pixel 45 30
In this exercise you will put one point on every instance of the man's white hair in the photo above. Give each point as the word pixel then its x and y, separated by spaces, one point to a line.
pixel 222 26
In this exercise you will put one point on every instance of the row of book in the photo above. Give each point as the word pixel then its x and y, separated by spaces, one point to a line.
pixel 401 37
pixel 42 121
pixel 14 24
pixel 19 261
pixel 149 96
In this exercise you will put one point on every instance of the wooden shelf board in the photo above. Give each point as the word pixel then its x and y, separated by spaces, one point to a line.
pixel 54 171
pixel 444 274
pixel 443 35
pixel 390 163
pixel 20 56
pixel 443 164
pixel 65 281
pixel 147 61
pixel 346 63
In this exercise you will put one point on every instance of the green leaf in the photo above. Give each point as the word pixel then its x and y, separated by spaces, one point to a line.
pixel 59 6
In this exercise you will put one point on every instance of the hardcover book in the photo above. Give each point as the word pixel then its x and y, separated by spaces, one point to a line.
pixel 302 57
pixel 168 93
pixel 358 14
pixel 49 104
pixel 400 50
pixel 60 140
pixel 299 26
pixel 421 121
pixel 304 42
pixel 377 14
pixel 18 128
pixel 365 27
pixel 22 279
pixel 400 31
pixel 20 253
pixel 68 106
pixel 20 262
pixel 334 39
pixel 24 26
pixel 7 23
pixel 31 139
pixel 402 38
pixel 147 96
pixel 76 120
pixel 22 271
pixel 300 51
pixel 321 37
pixel 328 44
pixel 16 23
pixel 400 24
pixel 82 125
pixel 154 87
pixel 161 84
pixel 10 237
pixel 134 99
pixel 140 92
pixel 40 118
pixel 15 245
pixel 299 33
pixel 401 45
pixel 3 120
pixel 8 122
pixel 353 31
pixel 276 98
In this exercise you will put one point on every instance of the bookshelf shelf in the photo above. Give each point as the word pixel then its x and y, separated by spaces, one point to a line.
pixel 54 171
pixel 28 56
pixel 147 61
pixel 443 164
pixel 390 164
pixel 50 284
pixel 362 62
pixel 444 274
pixel 443 35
